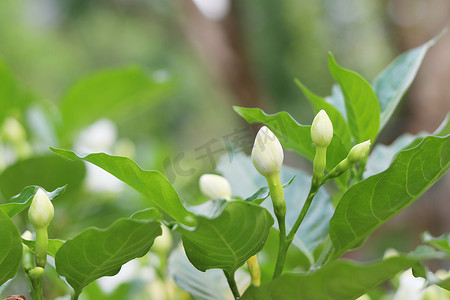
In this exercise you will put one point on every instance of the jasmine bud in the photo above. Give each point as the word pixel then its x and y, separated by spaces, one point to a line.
pixel 215 186
pixel 41 210
pixel 358 152
pixel 321 130
pixel 267 153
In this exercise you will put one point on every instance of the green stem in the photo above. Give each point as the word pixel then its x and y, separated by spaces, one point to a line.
pixel 35 275
pixel 362 166
pixel 283 246
pixel 279 207
pixel 319 164
pixel 338 170
pixel 276 194
pixel 41 246
pixel 232 284
pixel 312 192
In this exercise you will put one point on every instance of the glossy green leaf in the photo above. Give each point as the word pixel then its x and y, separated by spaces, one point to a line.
pixel 382 155
pixel 392 83
pixel 371 202
pixel 95 253
pixel 228 240
pixel 441 242
pixel 53 246
pixel 49 171
pixel 296 137
pixel 337 100
pixel 340 126
pixel 361 104
pixel 339 280
pixel 109 94
pixel 23 200
pixel 151 184
pixel 10 248
pixel 244 180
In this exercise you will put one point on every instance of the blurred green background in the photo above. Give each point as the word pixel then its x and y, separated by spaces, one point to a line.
pixel 156 81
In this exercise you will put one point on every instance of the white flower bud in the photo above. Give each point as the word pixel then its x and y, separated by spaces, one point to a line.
pixel 27 235
pixel 359 151
pixel 41 210
pixel 13 130
pixel 321 130
pixel 267 153
pixel 215 186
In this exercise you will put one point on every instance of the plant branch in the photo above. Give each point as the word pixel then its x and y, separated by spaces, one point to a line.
pixel 232 284
pixel 312 192
pixel 283 245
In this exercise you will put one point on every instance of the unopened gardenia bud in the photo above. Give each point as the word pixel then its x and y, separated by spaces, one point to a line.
pixel 358 152
pixel 41 210
pixel 267 153
pixel 27 235
pixel 215 186
pixel 321 130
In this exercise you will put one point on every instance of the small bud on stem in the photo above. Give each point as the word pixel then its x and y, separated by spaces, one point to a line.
pixel 321 130
pixel 267 153
pixel 215 186
pixel 41 210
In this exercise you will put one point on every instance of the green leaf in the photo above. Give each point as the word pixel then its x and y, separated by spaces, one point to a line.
pixel 227 241
pixel 260 195
pixel 340 127
pixel 53 246
pixel 371 202
pixel 10 248
pixel 441 242
pixel 109 94
pixel 244 180
pixel 95 253
pixel 296 137
pixel 382 155
pixel 361 104
pixel 392 83
pixel 151 184
pixel 338 280
pixel 337 100
pixel 23 200
pixel 49 171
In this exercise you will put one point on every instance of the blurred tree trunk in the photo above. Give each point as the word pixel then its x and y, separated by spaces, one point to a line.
pixel 428 100
pixel 220 45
